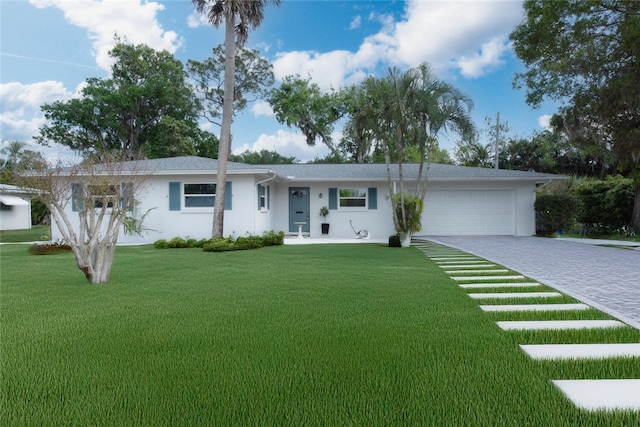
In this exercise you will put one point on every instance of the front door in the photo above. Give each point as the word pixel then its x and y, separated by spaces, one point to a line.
pixel 299 208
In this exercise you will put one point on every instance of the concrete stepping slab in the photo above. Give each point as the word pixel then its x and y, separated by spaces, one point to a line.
pixel 493 270
pixel 506 295
pixel 498 285
pixel 457 258
pixel 605 395
pixel 466 265
pixel 558 324
pixel 472 278
pixel 580 351
pixel 535 307
pixel 478 262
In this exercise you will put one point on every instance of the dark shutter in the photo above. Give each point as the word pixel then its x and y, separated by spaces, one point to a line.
pixel 373 198
pixel 174 196
pixel 77 197
pixel 227 196
pixel 333 199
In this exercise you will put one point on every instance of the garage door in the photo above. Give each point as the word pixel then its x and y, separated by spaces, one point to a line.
pixel 469 213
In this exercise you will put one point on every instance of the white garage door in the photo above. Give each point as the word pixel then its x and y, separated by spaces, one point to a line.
pixel 469 213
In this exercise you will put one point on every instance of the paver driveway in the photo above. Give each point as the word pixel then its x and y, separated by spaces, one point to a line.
pixel 606 278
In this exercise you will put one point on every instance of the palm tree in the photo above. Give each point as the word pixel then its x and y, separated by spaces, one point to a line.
pixel 13 152
pixel 410 109
pixel 239 18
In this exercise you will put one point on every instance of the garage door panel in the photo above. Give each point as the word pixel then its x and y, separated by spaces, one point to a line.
pixel 469 213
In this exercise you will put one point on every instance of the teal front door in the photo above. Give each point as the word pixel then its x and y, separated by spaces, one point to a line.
pixel 299 208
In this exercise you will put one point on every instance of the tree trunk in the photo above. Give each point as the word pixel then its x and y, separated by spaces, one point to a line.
pixel 95 261
pixel 635 216
pixel 224 147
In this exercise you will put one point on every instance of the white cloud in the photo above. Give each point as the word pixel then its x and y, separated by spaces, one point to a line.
pixel 196 20
pixel 135 20
pixel 262 109
pixel 21 117
pixel 355 22
pixel 468 36
pixel 287 144
pixel 544 121
pixel 486 59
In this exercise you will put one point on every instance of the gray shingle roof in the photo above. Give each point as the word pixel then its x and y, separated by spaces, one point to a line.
pixel 366 172
pixel 331 172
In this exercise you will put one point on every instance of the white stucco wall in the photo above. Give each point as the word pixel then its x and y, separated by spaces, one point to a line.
pixel 246 218
pixel 18 217
pixel 377 221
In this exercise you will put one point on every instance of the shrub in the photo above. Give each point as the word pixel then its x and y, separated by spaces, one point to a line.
pixel 219 245
pixel 178 242
pixel 49 248
pixel 556 212
pixel 249 242
pixel 161 244
pixel 608 204
pixel 413 206
pixel 271 238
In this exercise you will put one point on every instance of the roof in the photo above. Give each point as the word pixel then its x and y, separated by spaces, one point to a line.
pixel 191 165
pixel 12 189
pixel 378 171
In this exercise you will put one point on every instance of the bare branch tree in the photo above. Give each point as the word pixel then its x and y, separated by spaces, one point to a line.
pixel 89 204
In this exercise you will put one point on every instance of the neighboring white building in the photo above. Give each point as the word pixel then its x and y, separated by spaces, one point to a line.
pixel 15 208
pixel 460 200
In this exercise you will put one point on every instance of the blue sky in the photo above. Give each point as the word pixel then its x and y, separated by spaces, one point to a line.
pixel 48 48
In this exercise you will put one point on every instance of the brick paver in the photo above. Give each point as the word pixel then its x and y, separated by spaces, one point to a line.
pixel 606 278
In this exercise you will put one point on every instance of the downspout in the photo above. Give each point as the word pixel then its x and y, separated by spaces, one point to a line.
pixel 255 225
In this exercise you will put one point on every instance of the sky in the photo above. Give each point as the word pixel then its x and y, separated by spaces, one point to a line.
pixel 48 48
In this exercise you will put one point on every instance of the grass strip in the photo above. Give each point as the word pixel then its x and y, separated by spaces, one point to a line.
pixel 293 335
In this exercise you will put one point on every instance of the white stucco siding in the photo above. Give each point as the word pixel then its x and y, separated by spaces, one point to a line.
pixel 479 209
pixel 161 222
pixel 15 213
pixel 377 221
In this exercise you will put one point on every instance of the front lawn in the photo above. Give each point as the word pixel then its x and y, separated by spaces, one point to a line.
pixel 33 234
pixel 290 335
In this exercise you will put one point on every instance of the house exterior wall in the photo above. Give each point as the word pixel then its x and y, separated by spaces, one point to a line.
pixel 16 217
pixel 246 216
pixel 377 221
pixel 162 222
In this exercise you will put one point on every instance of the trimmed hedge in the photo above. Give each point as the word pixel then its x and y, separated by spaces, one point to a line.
pixel 270 238
pixel 608 204
pixel 556 212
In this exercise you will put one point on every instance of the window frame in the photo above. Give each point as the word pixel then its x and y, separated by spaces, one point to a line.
pixel 184 195
pixel 98 197
pixel 365 198
pixel 263 197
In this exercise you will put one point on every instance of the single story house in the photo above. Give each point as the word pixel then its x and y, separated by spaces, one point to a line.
pixel 15 208
pixel 180 192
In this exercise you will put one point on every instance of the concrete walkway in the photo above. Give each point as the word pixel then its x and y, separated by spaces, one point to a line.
pixel 603 277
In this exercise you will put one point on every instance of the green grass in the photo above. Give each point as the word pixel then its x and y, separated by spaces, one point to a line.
pixel 34 234
pixel 292 335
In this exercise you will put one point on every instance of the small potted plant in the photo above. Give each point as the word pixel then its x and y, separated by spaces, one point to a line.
pixel 324 211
